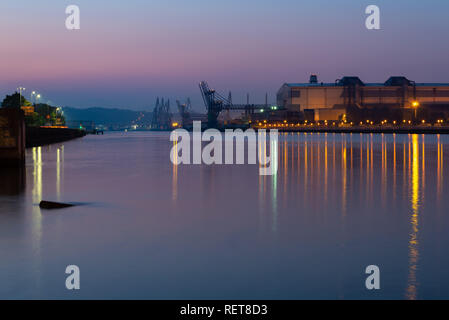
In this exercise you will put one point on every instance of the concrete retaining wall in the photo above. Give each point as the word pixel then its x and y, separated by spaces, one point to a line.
pixel 12 137
pixel 36 136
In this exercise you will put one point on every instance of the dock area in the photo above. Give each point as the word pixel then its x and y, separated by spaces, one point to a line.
pixel 357 129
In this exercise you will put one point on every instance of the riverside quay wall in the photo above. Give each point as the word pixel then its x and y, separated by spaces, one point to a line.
pixel 15 137
pixel 12 138
pixel 37 136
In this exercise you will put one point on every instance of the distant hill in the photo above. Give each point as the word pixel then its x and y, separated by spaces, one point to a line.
pixel 106 116
pixel 115 118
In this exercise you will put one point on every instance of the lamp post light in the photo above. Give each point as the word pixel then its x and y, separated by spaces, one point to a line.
pixel 20 88
pixel 36 102
pixel 33 94
pixel 415 105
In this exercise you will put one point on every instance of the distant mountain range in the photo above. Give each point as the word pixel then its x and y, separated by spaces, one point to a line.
pixel 113 118
pixel 106 116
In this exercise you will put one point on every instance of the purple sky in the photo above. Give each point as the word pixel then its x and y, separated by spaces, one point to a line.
pixel 129 52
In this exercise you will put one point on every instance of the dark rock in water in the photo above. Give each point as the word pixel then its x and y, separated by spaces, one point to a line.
pixel 54 205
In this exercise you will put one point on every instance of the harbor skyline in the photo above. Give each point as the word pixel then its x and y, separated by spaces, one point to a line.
pixel 224 159
pixel 127 55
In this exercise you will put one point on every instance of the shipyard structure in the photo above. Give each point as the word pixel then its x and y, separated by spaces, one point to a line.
pixel 318 101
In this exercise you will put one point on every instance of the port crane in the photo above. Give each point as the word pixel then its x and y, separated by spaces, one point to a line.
pixel 184 111
pixel 161 115
pixel 215 103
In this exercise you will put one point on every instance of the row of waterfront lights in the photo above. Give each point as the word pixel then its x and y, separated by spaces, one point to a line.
pixel 285 123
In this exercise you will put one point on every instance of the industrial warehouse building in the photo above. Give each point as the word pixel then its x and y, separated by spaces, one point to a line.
pixel 329 101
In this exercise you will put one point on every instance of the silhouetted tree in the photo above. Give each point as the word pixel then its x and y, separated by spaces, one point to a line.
pixel 12 101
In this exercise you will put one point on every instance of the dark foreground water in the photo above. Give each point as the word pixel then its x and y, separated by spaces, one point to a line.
pixel 147 229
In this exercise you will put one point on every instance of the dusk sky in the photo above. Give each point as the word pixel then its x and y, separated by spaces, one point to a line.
pixel 128 52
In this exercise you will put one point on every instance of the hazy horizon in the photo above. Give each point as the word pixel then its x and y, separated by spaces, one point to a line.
pixel 127 54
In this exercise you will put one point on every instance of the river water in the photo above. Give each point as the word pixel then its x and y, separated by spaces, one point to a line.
pixel 145 228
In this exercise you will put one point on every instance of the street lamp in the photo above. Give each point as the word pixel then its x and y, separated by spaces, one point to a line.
pixel 33 94
pixel 20 95
pixel 415 105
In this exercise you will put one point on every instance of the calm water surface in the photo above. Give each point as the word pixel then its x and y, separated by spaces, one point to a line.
pixel 145 228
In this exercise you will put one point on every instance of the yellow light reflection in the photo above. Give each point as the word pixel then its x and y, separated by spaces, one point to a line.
pixel 394 166
pixel 325 169
pixel 312 162
pixel 412 285
pixel 333 162
pixel 58 174
pixel 367 165
pixel 285 170
pixel 372 165
pixel 274 179
pixel 306 171
pixel 439 169
pixel 404 168
pixel 299 157
pixel 36 216
pixel 318 159
pixel 344 178
pixel 352 158
pixel 361 161
pixel 262 185
pixel 384 171
pixel 423 170
pixel 37 175
pixel 175 169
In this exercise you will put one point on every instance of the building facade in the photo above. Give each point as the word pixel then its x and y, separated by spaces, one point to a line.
pixel 330 100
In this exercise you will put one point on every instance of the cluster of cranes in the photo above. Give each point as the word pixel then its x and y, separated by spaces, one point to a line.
pixel 215 103
pixel 162 117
